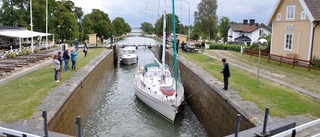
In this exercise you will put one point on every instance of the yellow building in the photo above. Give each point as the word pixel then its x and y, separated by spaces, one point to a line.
pixel 92 39
pixel 296 29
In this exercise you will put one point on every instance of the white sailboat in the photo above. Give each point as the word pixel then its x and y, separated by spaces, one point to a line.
pixel 155 86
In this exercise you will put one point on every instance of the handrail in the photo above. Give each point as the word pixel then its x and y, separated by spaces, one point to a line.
pixel 297 129
pixel 12 132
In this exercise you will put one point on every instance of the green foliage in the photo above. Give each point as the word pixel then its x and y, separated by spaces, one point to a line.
pixel 119 25
pixel 147 27
pixel 224 22
pixel 221 46
pixel 159 25
pixel 36 50
pixel 11 55
pixel 317 63
pixel 206 18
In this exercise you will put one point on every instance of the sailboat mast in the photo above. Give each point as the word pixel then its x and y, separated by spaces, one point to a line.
pixel 175 67
pixel 164 37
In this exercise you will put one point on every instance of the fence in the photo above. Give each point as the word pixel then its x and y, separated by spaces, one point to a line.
pixel 284 60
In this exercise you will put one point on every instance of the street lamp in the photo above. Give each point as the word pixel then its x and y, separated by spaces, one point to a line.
pixel 59 35
pixel 31 25
pixel 262 44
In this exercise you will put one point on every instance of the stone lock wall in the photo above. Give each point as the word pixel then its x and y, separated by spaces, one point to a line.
pixel 205 97
pixel 83 96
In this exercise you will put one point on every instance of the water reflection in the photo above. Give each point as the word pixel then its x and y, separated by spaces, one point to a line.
pixel 121 114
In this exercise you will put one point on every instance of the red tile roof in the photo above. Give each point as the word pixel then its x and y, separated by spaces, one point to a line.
pixel 246 28
pixel 314 8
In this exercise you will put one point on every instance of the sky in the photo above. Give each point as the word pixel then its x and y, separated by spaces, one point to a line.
pixel 135 12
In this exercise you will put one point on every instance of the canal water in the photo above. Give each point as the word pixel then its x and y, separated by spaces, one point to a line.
pixel 119 113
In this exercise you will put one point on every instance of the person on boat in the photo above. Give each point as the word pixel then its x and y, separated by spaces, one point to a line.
pixel 226 73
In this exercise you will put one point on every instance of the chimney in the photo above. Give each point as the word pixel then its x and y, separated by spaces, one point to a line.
pixel 245 22
pixel 252 22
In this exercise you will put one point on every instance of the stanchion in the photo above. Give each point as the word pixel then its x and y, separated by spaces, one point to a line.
pixel 45 123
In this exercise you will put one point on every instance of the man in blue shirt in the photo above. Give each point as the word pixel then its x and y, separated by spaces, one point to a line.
pixel 76 43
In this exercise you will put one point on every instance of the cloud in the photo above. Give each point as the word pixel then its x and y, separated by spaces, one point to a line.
pixel 137 11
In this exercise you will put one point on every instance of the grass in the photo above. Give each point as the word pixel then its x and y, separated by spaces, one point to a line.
pixel 296 76
pixel 281 100
pixel 20 96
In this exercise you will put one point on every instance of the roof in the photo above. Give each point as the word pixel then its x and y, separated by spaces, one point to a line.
pixel 247 28
pixel 11 27
pixel 311 7
pixel 21 33
pixel 242 38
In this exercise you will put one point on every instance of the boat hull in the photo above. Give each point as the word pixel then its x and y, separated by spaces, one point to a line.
pixel 163 108
pixel 129 61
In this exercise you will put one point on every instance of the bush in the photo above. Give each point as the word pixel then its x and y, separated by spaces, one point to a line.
pixel 11 55
pixel 221 46
pixel 36 50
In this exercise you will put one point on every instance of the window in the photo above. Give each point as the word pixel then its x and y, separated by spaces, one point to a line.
pixel 260 32
pixel 278 16
pixel 290 12
pixel 303 15
pixel 288 41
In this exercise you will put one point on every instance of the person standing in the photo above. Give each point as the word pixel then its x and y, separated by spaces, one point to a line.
pixel 76 43
pixel 226 73
pixel 85 49
pixel 66 58
pixel 56 67
pixel 60 59
pixel 74 54
pixel 202 46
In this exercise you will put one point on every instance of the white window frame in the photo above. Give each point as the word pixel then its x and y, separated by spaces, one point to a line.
pixel 303 15
pixel 291 12
pixel 279 17
pixel 286 46
pixel 261 32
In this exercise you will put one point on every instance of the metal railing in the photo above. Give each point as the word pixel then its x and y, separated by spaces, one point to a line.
pixel 15 133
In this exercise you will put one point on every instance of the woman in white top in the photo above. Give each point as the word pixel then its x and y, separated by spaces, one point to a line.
pixel 56 67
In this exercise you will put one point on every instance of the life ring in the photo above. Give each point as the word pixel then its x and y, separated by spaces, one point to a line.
pixel 167 90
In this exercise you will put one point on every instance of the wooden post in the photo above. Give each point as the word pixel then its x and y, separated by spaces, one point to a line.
pixel 280 59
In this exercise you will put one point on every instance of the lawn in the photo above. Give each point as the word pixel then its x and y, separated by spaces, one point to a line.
pixel 20 96
pixel 281 100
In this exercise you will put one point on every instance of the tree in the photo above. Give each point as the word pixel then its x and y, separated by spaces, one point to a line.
pixel 147 27
pixel 159 25
pixel 99 23
pixel 224 22
pixel 206 18
pixel 119 25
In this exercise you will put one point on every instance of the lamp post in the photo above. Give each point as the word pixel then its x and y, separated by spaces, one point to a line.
pixel 46 24
pixel 262 44
pixel 59 35
pixel 31 25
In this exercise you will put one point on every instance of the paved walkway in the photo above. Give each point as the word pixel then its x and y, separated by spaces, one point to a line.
pixel 263 73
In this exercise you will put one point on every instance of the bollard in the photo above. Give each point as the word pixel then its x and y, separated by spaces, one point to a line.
pixel 237 125
pixel 265 121
pixel 45 123
pixel 293 133
pixel 78 122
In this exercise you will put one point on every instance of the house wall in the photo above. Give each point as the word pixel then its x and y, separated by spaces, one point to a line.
pixel 255 34
pixel 316 44
pixel 300 29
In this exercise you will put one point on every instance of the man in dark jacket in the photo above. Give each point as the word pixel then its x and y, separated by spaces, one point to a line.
pixel 66 58
pixel 226 73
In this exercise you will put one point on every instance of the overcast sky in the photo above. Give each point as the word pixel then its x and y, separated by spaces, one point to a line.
pixel 135 12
